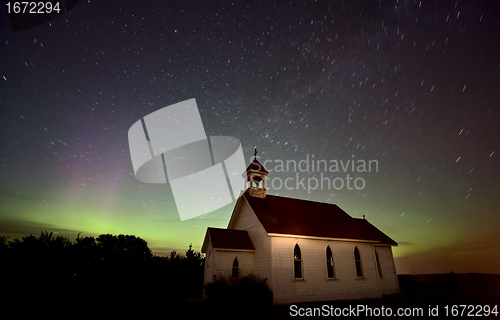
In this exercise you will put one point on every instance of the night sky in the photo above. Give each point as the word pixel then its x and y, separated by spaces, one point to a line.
pixel 413 85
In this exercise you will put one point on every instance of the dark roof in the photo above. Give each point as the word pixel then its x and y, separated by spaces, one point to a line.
pixel 230 239
pixel 256 166
pixel 308 218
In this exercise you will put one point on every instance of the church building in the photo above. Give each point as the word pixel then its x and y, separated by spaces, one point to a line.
pixel 307 251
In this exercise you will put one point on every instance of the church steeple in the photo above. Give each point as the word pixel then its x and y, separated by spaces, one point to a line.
pixel 255 178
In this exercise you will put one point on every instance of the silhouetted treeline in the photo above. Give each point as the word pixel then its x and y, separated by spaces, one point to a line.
pixel 96 269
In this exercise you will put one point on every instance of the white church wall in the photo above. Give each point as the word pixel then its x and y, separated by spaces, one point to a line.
pixel 225 259
pixel 389 281
pixel 262 261
pixel 219 263
pixel 209 265
pixel 315 285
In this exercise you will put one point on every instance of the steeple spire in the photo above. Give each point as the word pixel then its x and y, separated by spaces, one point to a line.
pixel 255 178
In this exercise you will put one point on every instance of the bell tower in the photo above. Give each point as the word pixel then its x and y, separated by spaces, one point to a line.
pixel 255 178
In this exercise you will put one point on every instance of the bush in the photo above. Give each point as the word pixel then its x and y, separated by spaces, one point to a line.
pixel 249 290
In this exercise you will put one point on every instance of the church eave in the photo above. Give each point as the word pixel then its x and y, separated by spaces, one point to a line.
pixel 281 235
pixel 232 249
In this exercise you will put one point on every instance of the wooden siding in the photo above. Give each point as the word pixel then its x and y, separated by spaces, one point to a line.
pixel 389 282
pixel 225 261
pixel 315 285
pixel 210 266
pixel 220 264
pixel 247 220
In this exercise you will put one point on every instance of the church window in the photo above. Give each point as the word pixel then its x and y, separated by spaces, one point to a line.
pixel 379 268
pixel 234 273
pixel 297 262
pixel 330 267
pixel 357 261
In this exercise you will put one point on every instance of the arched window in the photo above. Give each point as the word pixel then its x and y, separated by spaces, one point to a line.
pixel 330 268
pixel 297 262
pixel 357 261
pixel 234 273
pixel 379 268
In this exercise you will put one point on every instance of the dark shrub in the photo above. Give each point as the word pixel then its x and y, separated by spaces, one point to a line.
pixel 246 291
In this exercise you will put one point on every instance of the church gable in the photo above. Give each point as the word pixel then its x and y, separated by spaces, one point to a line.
pixel 244 218
pixel 227 239
pixel 229 254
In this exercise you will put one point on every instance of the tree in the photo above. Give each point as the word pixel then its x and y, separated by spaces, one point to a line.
pixel 121 266
pixel 123 246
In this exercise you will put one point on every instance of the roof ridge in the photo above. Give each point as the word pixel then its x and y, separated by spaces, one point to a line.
pixel 278 214
pixel 298 199
pixel 313 201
